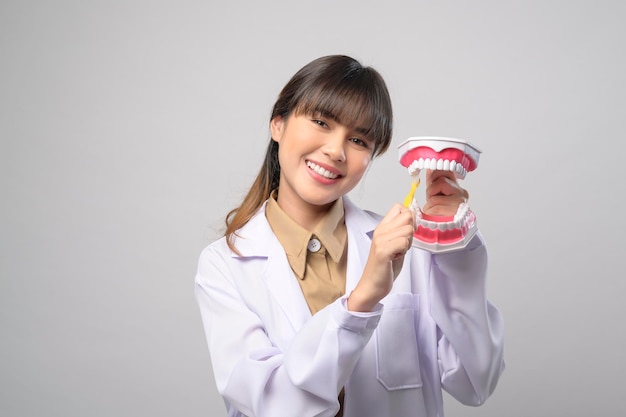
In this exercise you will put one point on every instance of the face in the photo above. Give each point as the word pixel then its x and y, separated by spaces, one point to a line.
pixel 320 160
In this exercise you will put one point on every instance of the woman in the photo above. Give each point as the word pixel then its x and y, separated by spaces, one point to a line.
pixel 314 307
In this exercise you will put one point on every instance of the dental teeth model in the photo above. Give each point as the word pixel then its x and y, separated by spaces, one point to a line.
pixel 439 233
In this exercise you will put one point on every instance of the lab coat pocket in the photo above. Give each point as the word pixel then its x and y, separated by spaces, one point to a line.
pixel 397 356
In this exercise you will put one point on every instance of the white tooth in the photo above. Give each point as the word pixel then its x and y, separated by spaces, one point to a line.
pixel 446 165
pixel 460 213
pixel 452 165
pixel 322 171
pixel 433 164
pixel 420 163
pixel 440 164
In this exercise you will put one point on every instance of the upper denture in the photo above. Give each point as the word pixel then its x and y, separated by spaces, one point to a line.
pixel 437 153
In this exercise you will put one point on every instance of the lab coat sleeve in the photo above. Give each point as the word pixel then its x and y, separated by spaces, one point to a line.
pixel 257 377
pixel 470 329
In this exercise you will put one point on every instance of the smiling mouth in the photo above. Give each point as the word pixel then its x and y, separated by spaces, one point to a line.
pixel 440 233
pixel 322 171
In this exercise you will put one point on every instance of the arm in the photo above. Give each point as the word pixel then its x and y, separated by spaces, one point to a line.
pixel 257 377
pixel 391 240
pixel 470 343
pixel 470 329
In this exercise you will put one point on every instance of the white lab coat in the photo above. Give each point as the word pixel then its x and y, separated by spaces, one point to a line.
pixel 271 358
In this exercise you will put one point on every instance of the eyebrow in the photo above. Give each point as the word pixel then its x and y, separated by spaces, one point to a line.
pixel 330 115
pixel 362 130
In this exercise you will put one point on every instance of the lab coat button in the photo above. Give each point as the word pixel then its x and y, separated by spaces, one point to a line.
pixel 314 245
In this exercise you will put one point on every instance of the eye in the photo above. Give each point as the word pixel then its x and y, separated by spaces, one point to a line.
pixel 360 142
pixel 319 122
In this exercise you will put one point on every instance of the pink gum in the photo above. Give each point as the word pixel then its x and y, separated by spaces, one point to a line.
pixel 451 154
pixel 445 237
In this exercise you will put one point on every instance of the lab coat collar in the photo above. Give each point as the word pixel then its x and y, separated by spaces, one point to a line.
pixel 256 240
pixel 252 239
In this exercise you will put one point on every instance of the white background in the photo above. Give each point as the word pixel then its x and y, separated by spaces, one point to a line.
pixel 128 129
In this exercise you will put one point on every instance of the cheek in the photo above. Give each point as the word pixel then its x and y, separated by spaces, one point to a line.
pixel 366 161
pixel 362 164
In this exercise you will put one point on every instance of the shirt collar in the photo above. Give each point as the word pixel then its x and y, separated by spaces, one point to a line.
pixel 331 231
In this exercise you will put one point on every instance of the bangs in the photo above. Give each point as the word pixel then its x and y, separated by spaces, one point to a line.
pixel 358 100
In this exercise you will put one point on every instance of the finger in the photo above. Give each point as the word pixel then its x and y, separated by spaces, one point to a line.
pixel 394 238
pixel 445 200
pixel 444 205
pixel 432 176
pixel 397 225
pixel 404 244
pixel 445 186
pixel 395 211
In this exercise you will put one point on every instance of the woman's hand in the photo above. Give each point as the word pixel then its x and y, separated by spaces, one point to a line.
pixel 443 194
pixel 391 240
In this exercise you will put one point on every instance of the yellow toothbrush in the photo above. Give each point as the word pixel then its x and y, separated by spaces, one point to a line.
pixel 409 198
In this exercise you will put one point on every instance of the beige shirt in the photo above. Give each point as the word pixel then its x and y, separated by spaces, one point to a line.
pixel 317 257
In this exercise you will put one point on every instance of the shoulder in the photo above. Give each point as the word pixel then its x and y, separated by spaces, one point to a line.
pixel 254 239
pixel 219 265
pixel 215 255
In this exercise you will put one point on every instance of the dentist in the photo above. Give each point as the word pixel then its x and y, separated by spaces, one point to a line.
pixel 314 307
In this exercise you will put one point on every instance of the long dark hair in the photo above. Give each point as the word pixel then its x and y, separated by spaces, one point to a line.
pixel 336 84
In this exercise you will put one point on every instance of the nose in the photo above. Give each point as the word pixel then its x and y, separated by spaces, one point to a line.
pixel 334 147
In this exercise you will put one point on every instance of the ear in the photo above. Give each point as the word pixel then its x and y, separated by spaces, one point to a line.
pixel 277 126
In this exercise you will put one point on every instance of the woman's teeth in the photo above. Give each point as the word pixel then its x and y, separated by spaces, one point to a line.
pixel 321 171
